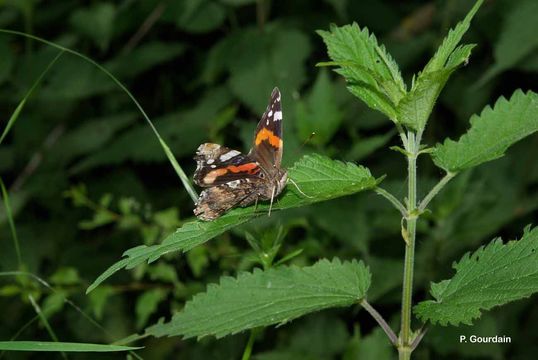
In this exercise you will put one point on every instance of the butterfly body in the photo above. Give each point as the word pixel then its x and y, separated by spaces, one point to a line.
pixel 235 179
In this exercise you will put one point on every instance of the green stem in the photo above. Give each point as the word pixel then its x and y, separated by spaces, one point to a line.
pixel 412 146
pixel 9 215
pixel 404 353
pixel 435 190
pixel 45 322
pixel 250 344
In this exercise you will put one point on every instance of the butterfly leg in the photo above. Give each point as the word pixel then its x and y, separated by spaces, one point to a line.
pixel 256 204
pixel 298 189
pixel 272 198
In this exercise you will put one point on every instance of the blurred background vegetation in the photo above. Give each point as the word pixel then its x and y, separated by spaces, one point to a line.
pixel 87 179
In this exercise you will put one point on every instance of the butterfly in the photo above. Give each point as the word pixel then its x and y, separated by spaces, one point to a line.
pixel 234 179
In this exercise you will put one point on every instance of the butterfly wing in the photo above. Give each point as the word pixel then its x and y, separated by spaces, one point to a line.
pixel 234 179
pixel 268 145
pixel 218 165
pixel 216 200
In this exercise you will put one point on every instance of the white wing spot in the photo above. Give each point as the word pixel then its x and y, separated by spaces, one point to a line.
pixel 234 184
pixel 210 161
pixel 270 113
pixel 230 154
pixel 278 115
pixel 213 166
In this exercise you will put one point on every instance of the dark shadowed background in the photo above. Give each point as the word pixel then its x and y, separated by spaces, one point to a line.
pixel 87 178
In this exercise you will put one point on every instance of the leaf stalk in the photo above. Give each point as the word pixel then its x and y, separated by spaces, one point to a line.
pixel 393 200
pixel 435 190
pixel 377 316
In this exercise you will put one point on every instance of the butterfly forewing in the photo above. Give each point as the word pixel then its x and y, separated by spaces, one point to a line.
pixel 267 147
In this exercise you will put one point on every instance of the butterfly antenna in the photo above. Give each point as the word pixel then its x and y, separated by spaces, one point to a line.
pixel 272 197
pixel 298 189
pixel 308 140
pixel 298 150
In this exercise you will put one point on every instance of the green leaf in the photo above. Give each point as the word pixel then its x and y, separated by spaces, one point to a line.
pixel 74 80
pixel 198 260
pixel 13 118
pixel 386 275
pixel 98 300
pixel 362 147
pixel 65 276
pixel 143 58
pixel 198 16
pixel 371 73
pixel 147 303
pixel 416 107
pixel 179 171
pixel 319 177
pixel 163 272
pixel 491 133
pixel 89 137
pixel 7 59
pixel 261 60
pixel 173 126
pixel 319 113
pixel 60 346
pixel 53 304
pixel 319 336
pixel 96 23
pixel 238 2
pixel 439 60
pixel 374 346
pixel 517 38
pixel 263 298
pixel 491 276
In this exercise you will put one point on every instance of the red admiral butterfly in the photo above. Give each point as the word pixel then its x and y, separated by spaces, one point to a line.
pixel 234 179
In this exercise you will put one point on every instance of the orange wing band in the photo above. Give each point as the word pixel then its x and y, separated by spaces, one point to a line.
pixel 266 134
pixel 250 168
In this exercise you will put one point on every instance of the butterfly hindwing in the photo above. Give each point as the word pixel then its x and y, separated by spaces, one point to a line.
pixel 216 200
pixel 218 165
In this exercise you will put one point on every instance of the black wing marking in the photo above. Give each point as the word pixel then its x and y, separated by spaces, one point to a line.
pixel 268 146
pixel 218 165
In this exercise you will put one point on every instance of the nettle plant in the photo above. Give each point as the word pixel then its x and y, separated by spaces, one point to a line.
pixel 492 275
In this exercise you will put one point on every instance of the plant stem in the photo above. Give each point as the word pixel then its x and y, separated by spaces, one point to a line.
pixel 45 322
pixel 435 190
pixel 404 353
pixel 412 147
pixel 250 344
pixel 9 215
pixel 377 316
pixel 397 204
